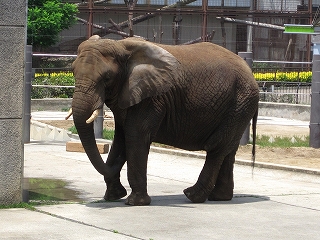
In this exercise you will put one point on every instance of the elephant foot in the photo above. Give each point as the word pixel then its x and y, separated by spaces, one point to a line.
pixel 138 199
pixel 220 195
pixel 115 191
pixel 195 194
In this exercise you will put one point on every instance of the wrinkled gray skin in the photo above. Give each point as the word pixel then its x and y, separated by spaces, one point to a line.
pixel 194 97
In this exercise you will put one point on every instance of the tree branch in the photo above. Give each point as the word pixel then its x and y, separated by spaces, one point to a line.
pixel 138 19
pixel 108 30
pixel 208 36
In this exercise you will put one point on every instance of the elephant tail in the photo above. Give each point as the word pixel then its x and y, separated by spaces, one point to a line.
pixel 254 137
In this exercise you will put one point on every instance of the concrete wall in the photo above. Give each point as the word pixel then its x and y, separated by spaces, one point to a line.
pixel 283 110
pixel 51 104
pixel 12 55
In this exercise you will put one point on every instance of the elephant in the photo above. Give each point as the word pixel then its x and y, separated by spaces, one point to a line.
pixel 195 97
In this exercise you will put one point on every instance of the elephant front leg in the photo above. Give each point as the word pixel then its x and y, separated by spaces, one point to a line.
pixel 116 160
pixel 115 190
pixel 137 156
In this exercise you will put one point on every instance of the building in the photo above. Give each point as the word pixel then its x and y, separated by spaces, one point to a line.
pixel 155 21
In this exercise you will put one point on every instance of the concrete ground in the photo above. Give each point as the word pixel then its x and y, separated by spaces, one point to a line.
pixel 267 203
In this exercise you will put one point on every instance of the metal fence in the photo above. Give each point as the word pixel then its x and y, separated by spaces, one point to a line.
pixel 285 92
pixel 276 88
pixel 284 82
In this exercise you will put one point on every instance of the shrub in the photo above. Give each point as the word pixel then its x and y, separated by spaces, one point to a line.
pixel 55 79
pixel 284 76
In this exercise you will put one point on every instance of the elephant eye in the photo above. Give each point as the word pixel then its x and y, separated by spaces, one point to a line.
pixel 106 77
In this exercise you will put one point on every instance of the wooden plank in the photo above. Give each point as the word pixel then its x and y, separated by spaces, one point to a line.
pixel 77 147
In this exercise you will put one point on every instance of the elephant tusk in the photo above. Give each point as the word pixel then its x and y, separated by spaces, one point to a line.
pixel 93 116
pixel 69 114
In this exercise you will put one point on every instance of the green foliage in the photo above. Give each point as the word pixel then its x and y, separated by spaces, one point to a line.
pixel 18 205
pixel 282 142
pixel 284 76
pixel 44 192
pixel 73 130
pixel 46 19
pixel 106 133
pixel 55 79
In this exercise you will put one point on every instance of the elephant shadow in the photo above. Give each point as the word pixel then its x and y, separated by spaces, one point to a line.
pixel 180 200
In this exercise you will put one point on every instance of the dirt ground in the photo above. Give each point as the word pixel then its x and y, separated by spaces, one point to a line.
pixel 300 157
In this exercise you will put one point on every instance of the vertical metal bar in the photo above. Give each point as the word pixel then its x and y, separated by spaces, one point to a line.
pixel 247 56
pixel 250 29
pixel 90 22
pixel 98 125
pixel 204 20
pixel 315 103
pixel 309 36
pixel 27 94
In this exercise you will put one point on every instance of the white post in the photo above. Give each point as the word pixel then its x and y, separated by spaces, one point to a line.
pixel 98 125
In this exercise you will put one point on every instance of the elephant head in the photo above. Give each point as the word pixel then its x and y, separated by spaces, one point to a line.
pixel 115 72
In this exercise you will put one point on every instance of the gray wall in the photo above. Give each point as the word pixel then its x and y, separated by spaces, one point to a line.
pixel 283 110
pixel 12 54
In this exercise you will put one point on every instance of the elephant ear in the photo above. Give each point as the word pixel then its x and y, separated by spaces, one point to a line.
pixel 151 71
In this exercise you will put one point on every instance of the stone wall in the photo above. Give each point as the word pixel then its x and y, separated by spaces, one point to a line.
pixel 12 57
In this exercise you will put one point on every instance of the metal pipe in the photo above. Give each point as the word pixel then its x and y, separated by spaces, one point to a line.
pixel 247 56
pixel 90 2
pixel 53 55
pixel 27 94
pixel 204 20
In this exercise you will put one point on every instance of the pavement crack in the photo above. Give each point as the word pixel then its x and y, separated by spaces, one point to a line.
pixel 172 179
pixel 295 205
pixel 86 224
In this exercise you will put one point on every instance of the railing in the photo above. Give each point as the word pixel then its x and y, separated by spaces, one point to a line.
pixel 286 82
pixel 44 87
pixel 296 92
pixel 285 92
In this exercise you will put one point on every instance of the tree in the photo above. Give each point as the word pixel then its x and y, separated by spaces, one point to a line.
pixel 46 19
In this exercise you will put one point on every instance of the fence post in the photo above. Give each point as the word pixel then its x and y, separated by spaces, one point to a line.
pixel 315 103
pixel 98 124
pixel 27 94
pixel 247 56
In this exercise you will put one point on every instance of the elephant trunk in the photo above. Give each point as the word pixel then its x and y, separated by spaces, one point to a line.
pixel 81 112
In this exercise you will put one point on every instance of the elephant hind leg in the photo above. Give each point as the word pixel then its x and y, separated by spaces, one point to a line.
pixel 199 192
pixel 223 189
